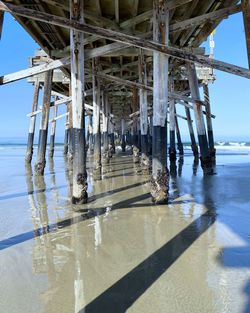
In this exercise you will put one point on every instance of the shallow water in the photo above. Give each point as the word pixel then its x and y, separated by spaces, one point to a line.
pixel 119 253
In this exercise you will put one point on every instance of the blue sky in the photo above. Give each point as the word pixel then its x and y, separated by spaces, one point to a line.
pixel 229 94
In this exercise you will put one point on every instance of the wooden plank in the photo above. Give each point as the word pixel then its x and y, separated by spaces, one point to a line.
pixel 33 71
pixel 128 39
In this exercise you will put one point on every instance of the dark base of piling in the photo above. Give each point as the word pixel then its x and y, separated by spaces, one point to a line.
pixel 160 177
pixel 172 154
pixel 29 152
pixel 82 200
pixel 180 149
pixel 123 145
pixel 195 151
pixel 39 168
pixel 159 188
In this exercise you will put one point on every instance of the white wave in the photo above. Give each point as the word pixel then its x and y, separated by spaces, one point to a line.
pixel 233 147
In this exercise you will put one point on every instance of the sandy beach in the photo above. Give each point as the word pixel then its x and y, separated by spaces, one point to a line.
pixel 119 253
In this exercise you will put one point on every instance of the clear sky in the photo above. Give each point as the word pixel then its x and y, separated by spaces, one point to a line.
pixel 229 94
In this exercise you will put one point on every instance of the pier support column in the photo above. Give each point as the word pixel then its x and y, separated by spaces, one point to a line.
pixel 91 139
pixel 246 16
pixel 136 150
pixel 123 135
pixel 178 135
pixel 53 132
pixel 111 129
pixel 32 126
pixel 70 136
pixel 172 148
pixel 200 124
pixel 210 134
pixel 96 124
pixel 79 195
pixel 145 162
pixel 105 128
pixel 191 132
pixel 42 143
pixel 66 134
pixel 160 175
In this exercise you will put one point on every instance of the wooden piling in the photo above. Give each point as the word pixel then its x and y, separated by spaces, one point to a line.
pixel 111 138
pixel 32 126
pixel 200 124
pixel 145 162
pixel 96 123
pixel 191 132
pixel 136 151
pixel 66 134
pixel 160 175
pixel 123 135
pixel 52 132
pixel 70 132
pixel 210 134
pixel 172 149
pixel 91 140
pixel 178 135
pixel 42 143
pixel 105 154
pixel 79 195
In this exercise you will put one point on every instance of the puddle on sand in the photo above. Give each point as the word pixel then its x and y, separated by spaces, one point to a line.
pixel 119 253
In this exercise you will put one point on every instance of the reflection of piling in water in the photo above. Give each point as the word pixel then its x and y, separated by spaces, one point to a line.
pixel 180 165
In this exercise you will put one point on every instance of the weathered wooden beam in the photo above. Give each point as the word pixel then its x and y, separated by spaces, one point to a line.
pixel 33 71
pixel 124 38
pixel 200 124
pixel 29 151
pixel 42 143
pixel 80 186
pixel 57 117
pixel 246 17
pixel 202 19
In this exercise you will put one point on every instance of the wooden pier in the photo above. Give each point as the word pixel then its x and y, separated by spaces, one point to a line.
pixel 122 69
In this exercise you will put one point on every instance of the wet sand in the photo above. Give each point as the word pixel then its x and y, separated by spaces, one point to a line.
pixel 119 253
